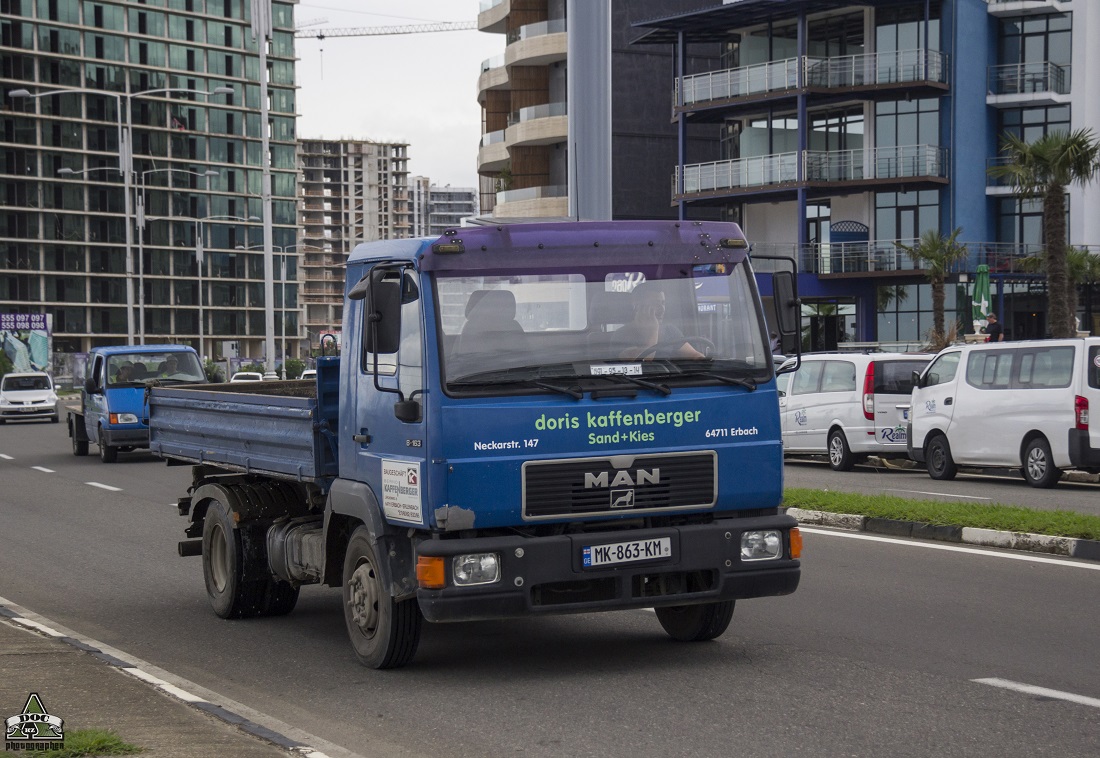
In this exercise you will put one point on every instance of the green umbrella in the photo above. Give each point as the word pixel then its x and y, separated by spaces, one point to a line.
pixel 981 300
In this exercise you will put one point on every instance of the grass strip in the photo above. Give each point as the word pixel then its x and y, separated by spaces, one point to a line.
pixel 1001 517
pixel 87 743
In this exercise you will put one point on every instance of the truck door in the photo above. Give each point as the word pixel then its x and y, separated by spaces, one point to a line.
pixel 390 451
pixel 95 403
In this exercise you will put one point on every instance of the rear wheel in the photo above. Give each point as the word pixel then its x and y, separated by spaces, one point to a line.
pixel 696 623
pixel 383 633
pixel 235 585
pixel 80 447
pixel 840 455
pixel 1038 468
pixel 940 463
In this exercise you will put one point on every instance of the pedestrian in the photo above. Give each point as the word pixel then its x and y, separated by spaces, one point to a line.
pixel 774 342
pixel 993 329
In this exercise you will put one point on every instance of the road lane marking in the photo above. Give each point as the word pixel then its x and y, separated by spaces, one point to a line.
pixel 104 486
pixel 6 457
pixel 954 549
pixel 1031 689
pixel 942 494
pixel 44 470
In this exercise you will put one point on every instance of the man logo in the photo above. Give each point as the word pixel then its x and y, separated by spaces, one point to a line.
pixel 603 479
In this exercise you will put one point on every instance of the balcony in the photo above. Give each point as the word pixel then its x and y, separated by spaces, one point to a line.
pixel 1027 7
pixel 492 156
pixel 1019 84
pixel 532 202
pixel 492 15
pixel 494 75
pixel 537 44
pixel 786 172
pixel 836 77
pixel 544 124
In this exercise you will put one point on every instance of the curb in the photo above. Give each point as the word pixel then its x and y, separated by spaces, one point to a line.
pixel 1070 547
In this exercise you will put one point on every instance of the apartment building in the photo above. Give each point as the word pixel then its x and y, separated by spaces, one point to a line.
pixel 160 242
pixel 349 191
pixel 436 208
pixel 844 128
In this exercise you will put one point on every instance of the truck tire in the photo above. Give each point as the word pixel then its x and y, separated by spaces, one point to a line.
pixel 80 447
pixel 279 598
pixel 107 453
pixel 1039 469
pixel 696 623
pixel 384 634
pixel 234 590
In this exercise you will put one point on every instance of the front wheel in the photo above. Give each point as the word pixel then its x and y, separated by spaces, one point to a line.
pixel 840 455
pixel 696 623
pixel 107 453
pixel 1039 469
pixel 941 465
pixel 383 633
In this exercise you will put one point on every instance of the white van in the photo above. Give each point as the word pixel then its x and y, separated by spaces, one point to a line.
pixel 848 405
pixel 1009 404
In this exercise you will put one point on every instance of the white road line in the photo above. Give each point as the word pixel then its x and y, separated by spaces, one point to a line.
pixel 1040 691
pixel 44 470
pixel 6 457
pixel 104 486
pixel 954 549
pixel 942 494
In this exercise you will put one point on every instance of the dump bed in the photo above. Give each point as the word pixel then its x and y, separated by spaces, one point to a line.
pixel 281 429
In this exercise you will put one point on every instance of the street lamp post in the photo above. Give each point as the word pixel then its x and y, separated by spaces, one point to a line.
pixel 125 163
pixel 283 250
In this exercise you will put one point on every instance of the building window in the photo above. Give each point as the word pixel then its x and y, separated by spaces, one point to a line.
pixel 1037 39
pixel 1029 124
pixel 907 122
pixel 904 215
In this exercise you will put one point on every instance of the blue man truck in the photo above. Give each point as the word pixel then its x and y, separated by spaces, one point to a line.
pixel 525 419
pixel 113 413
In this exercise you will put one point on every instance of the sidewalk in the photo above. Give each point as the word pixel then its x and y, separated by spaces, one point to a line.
pixel 90 690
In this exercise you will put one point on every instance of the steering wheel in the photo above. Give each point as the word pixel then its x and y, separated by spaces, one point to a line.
pixel 670 345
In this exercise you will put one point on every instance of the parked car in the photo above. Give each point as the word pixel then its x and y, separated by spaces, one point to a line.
pixel 848 405
pixel 28 395
pixel 1009 404
pixel 309 373
pixel 247 376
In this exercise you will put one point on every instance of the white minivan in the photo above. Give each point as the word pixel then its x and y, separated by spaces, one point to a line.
pixel 1009 404
pixel 848 405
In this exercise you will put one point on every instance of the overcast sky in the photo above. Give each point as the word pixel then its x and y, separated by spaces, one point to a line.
pixel 414 88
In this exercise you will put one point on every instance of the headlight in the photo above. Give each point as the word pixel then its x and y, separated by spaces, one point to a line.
pixel 761 546
pixel 51 398
pixel 123 418
pixel 476 568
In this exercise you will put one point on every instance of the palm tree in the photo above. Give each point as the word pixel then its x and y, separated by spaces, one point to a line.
pixel 1082 267
pixel 1045 168
pixel 936 253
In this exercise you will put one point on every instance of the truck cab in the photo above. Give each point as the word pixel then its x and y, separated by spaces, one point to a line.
pixel 113 412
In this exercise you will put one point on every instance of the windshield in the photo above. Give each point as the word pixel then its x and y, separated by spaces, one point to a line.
pixel 666 324
pixel 130 368
pixel 14 383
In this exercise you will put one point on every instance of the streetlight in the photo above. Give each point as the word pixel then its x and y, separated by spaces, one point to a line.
pixel 141 233
pixel 283 249
pixel 125 163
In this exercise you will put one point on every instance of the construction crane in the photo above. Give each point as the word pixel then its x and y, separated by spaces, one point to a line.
pixel 373 31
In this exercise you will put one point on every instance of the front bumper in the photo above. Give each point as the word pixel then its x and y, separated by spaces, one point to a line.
pixel 126 437
pixel 544 575
pixel 16 412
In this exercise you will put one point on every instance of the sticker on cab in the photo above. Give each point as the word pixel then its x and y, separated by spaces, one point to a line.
pixel 401 494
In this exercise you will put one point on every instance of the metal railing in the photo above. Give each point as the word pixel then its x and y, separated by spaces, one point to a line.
pixel 740 173
pixel 1029 78
pixel 738 82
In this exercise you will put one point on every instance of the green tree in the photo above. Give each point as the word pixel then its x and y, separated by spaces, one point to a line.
pixel 937 254
pixel 1045 168
pixel 294 368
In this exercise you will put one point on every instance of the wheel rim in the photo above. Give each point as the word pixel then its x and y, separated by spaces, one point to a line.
pixel 1036 463
pixel 836 450
pixel 363 598
pixel 219 558
pixel 936 458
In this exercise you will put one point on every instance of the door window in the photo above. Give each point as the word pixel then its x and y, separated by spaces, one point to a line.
pixel 807 378
pixel 942 369
pixel 990 369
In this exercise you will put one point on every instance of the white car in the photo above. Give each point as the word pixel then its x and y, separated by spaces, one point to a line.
pixel 247 376
pixel 27 396
pixel 309 373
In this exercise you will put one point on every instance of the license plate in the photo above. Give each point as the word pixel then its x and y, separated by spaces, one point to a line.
pixel 626 552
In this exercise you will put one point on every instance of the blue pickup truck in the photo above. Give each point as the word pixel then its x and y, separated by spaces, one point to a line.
pixel 113 413
pixel 525 420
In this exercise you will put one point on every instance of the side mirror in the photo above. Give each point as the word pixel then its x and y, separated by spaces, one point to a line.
pixel 384 311
pixel 787 305
pixel 407 411
pixel 916 379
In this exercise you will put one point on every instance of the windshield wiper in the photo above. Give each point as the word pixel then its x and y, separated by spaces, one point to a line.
pixel 657 387
pixel 749 384
pixel 573 392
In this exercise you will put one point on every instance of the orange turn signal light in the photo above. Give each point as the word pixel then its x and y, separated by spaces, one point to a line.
pixel 112 418
pixel 429 572
pixel 796 544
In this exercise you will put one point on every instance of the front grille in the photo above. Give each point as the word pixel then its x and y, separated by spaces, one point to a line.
pixel 591 486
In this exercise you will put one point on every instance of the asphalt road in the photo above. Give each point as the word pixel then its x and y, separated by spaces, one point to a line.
pixel 876 654
pixel 971 486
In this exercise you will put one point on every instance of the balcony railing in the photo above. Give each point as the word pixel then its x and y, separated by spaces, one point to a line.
pixel 908 161
pixel 896 67
pixel 892 67
pixel 1028 78
pixel 491 138
pixel 487 4
pixel 532 193
pixel 495 62
pixel 546 110
pixel 539 29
